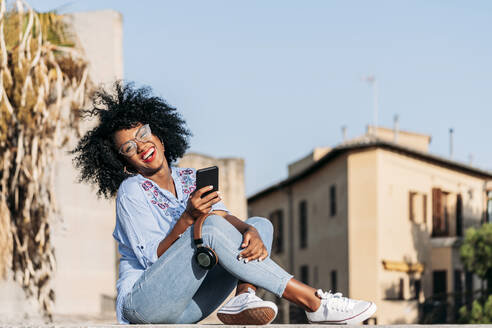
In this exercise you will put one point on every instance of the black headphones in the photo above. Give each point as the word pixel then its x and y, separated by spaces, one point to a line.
pixel 204 256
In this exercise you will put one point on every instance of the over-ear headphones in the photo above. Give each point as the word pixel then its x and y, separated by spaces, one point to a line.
pixel 204 256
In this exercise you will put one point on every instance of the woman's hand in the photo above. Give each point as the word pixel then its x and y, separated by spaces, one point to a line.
pixel 255 249
pixel 198 206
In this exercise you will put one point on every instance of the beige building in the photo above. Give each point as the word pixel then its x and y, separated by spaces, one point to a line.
pixel 377 218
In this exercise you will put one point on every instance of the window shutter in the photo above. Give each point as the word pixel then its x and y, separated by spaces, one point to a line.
pixel 411 214
pixel 436 211
pixel 424 208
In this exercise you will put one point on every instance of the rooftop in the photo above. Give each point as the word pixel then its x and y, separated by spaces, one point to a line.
pixel 369 141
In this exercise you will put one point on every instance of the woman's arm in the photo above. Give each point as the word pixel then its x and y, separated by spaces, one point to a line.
pixel 254 249
pixel 183 223
pixel 196 207
pixel 186 220
pixel 240 225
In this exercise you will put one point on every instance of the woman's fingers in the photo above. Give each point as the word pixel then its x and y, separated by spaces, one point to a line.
pixel 210 196
pixel 264 255
pixel 200 202
pixel 252 252
pixel 201 191
pixel 246 240
pixel 204 205
pixel 208 205
pixel 255 255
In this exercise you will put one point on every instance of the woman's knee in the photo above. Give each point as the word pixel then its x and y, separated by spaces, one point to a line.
pixel 262 224
pixel 214 224
pixel 214 221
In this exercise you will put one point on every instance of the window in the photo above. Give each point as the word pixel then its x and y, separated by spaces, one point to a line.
pixel 305 274
pixel 277 219
pixel 440 213
pixel 458 290
pixel 415 287
pixel 424 208
pixel 334 286
pixel 469 290
pixel 444 203
pixel 303 224
pixel 439 285
pixel 411 206
pixel 459 216
pixel 333 200
pixel 401 289
pixel 489 206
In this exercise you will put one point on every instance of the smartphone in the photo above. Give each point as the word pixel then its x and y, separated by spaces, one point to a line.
pixel 208 176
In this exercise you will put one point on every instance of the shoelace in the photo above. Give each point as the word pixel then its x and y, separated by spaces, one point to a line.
pixel 251 292
pixel 334 301
pixel 249 295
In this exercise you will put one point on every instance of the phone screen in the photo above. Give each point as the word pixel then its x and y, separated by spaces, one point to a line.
pixel 208 176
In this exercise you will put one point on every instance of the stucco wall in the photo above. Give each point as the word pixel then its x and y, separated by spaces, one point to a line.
pixel 85 249
pixel 363 231
pixel 263 207
pixel 326 235
pixel 400 175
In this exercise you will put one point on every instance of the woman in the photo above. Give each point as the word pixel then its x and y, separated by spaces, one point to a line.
pixel 129 154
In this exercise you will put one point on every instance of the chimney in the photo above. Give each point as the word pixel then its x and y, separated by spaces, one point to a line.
pixel 451 131
pixel 396 127
pixel 344 133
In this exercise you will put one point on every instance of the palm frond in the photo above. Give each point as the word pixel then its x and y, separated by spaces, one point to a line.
pixel 43 82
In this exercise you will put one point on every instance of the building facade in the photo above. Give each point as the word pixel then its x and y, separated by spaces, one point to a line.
pixel 377 218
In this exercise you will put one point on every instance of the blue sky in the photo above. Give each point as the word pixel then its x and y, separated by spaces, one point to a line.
pixel 270 80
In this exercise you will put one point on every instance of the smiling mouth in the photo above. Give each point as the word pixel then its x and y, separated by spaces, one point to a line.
pixel 149 155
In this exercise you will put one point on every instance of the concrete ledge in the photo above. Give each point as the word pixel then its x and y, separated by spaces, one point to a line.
pixel 238 326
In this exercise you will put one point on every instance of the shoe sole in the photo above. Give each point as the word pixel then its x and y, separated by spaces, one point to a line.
pixel 255 316
pixel 366 314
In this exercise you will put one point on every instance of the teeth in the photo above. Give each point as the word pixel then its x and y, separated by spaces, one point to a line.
pixel 149 153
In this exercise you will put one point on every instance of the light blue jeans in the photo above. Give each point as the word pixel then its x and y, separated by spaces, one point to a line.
pixel 176 290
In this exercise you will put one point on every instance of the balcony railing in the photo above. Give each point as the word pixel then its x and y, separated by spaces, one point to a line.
pixel 444 308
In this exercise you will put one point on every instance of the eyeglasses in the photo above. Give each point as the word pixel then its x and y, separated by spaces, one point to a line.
pixel 129 148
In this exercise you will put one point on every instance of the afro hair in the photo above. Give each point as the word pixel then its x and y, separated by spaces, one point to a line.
pixel 97 158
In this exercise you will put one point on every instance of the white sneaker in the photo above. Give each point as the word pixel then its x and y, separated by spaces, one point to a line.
pixel 336 309
pixel 247 309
